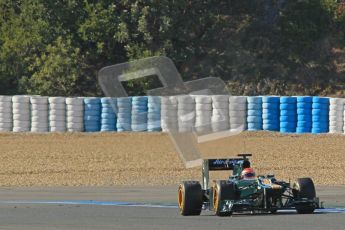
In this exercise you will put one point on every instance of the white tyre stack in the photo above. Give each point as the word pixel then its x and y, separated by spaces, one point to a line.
pixel 6 123
pixel 186 113
pixel 220 113
pixel 203 112
pixel 75 114
pixel 57 114
pixel 336 115
pixel 238 113
pixel 169 120
pixel 21 113
pixel 39 114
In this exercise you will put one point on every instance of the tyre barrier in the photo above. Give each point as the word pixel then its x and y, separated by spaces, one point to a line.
pixel 124 114
pixel 108 114
pixel 184 113
pixel 203 114
pixel 270 113
pixel 39 114
pixel 154 114
pixel 75 114
pixel 288 114
pixel 320 115
pixel 254 113
pixel 139 114
pixel 336 115
pixel 57 114
pixel 92 114
pixel 6 117
pixel 169 120
pixel 220 120
pixel 304 114
pixel 238 113
pixel 21 113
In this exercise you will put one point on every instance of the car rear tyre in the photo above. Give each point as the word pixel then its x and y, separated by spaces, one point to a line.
pixel 222 190
pixel 190 198
pixel 304 188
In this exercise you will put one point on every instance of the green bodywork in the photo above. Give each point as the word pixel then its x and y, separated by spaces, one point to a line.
pixel 264 193
pixel 247 188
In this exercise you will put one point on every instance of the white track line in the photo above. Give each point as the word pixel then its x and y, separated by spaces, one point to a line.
pixel 136 204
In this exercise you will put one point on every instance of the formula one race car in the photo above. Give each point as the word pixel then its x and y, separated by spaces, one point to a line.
pixel 262 194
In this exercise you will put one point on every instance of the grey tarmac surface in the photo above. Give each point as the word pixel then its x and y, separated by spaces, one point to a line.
pixel 31 216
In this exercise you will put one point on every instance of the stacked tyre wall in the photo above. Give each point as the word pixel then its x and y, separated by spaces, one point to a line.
pixel 220 113
pixel 39 114
pixel 57 114
pixel 21 113
pixel 238 113
pixel 336 115
pixel 75 114
pixel 183 113
pixel 270 113
pixel 108 115
pixel 203 114
pixel 186 113
pixel 169 119
pixel 6 115
pixel 254 117
pixel 139 114
pixel 304 114
pixel 320 115
pixel 153 114
pixel 288 114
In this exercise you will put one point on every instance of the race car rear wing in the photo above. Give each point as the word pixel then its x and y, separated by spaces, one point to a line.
pixel 223 164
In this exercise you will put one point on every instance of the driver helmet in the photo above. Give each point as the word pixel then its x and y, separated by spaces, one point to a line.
pixel 248 174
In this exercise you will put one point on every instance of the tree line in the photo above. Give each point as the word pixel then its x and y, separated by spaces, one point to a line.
pixel 56 47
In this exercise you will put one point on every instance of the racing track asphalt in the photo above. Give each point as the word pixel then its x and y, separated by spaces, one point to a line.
pixel 29 209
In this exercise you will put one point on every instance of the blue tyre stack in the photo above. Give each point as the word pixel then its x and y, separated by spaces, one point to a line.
pixel 270 113
pixel 288 114
pixel 254 113
pixel 124 111
pixel 92 114
pixel 154 114
pixel 139 114
pixel 304 111
pixel 108 115
pixel 320 115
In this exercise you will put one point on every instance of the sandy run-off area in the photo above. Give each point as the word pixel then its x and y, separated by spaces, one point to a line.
pixel 103 159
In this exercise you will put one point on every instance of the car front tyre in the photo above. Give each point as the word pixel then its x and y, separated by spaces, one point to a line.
pixel 304 188
pixel 190 198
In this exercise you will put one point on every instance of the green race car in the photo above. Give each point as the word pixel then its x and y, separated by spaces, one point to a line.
pixel 262 194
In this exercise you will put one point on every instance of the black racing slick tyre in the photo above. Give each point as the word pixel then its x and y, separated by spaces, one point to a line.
pixel 304 188
pixel 190 198
pixel 222 190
